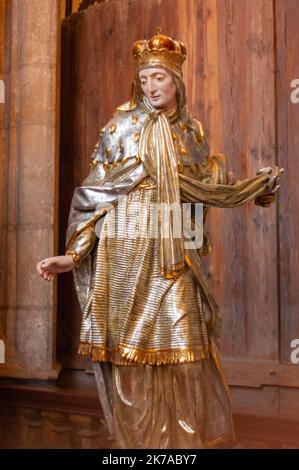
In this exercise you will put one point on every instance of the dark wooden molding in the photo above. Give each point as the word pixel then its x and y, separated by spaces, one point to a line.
pixel 257 374
pixel 256 432
pixel 73 394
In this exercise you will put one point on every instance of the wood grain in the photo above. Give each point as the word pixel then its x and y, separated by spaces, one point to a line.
pixel 287 18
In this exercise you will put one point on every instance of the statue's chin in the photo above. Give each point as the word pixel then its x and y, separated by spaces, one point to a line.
pixel 157 106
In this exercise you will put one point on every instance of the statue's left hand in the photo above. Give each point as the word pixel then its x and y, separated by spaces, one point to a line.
pixel 266 199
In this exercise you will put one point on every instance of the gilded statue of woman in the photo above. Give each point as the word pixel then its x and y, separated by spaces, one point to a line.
pixel 149 321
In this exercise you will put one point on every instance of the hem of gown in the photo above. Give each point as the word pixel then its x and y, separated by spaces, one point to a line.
pixel 208 444
pixel 130 355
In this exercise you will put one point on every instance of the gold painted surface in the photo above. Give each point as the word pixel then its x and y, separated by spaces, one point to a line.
pixel 74 255
pixel 171 406
pixel 135 314
pixel 83 244
pixel 112 128
pixel 158 155
pixel 161 50
pixel 147 183
pixel 127 293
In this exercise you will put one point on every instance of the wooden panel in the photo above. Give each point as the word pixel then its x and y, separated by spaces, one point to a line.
pixel 190 28
pixel 72 409
pixel 279 402
pixel 265 399
pixel 256 374
pixel 287 19
pixel 233 51
pixel 265 432
pixel 247 279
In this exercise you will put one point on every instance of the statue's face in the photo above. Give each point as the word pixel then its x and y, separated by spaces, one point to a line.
pixel 159 87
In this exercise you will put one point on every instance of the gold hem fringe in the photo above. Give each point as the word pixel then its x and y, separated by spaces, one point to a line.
pixel 129 355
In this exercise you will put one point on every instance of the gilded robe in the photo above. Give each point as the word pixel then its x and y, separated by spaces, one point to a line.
pixel 167 387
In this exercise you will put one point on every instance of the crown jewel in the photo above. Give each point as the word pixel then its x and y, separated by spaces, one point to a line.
pixel 160 50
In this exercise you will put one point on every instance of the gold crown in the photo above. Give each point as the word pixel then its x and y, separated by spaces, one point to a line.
pixel 160 50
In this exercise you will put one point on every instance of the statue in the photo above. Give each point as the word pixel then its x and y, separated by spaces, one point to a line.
pixel 149 320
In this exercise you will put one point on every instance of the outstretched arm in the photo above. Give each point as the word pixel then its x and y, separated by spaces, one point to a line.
pixel 97 195
pixel 219 191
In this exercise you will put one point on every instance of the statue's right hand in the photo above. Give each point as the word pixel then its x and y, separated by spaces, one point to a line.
pixel 47 267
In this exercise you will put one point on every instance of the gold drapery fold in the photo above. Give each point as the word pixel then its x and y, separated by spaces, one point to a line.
pixel 172 406
pixel 157 153
pixel 227 196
